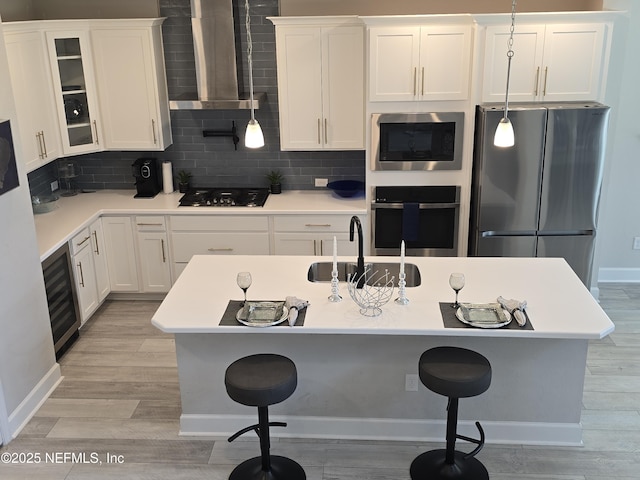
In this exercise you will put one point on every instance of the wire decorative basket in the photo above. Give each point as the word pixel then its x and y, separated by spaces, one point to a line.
pixel 377 289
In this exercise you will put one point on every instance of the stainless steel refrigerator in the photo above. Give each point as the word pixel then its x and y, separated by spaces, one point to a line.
pixel 539 197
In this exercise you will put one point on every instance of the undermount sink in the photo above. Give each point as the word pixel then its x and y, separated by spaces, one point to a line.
pixel 321 272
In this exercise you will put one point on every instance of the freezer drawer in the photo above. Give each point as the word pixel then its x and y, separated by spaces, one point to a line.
pixel 577 250
pixel 506 246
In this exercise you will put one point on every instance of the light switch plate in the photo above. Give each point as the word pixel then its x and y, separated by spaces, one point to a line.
pixel 321 182
pixel 54 185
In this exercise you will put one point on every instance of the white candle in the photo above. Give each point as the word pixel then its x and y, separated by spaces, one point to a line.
pixel 402 257
pixel 335 254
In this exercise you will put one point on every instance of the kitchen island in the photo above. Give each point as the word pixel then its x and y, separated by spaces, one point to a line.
pixel 351 368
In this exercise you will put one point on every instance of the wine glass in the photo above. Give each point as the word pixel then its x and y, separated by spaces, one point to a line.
pixel 244 282
pixel 456 281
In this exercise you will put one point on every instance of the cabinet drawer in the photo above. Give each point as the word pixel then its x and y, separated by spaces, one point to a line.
pixel 80 241
pixel 220 223
pixel 311 223
pixel 185 245
pixel 150 223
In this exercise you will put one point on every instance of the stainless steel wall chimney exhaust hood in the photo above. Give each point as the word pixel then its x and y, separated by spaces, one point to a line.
pixel 214 43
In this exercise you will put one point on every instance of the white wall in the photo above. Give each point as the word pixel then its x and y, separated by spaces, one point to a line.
pixel 619 220
pixel 28 370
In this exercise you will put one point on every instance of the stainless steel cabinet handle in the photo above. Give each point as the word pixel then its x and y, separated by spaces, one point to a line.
pixel 535 91
pixel 422 80
pixel 315 247
pixel 81 274
pixel 415 80
pixel 95 238
pixel 226 249
pixel 44 145
pixel 317 224
pixel 42 153
pixel 321 249
pixel 153 128
pixel 325 132
pixel 95 127
pixel 149 224
pixel 164 257
pixel 83 241
pixel 319 133
pixel 546 73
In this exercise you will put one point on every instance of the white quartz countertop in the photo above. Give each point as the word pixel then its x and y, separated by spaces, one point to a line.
pixel 559 305
pixel 74 213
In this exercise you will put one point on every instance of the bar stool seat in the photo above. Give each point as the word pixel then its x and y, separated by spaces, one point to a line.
pixel 259 381
pixel 455 373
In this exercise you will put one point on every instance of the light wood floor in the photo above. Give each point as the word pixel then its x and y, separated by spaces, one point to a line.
pixel 120 398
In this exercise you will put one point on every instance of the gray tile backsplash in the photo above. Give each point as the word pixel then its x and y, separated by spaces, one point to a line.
pixel 213 160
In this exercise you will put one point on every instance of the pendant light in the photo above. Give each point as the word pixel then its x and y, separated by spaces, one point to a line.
pixel 253 137
pixel 504 136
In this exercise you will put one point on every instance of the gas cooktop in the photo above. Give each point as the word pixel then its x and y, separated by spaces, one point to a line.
pixel 225 197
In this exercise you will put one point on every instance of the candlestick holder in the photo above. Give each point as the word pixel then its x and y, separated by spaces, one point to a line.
pixel 402 283
pixel 335 296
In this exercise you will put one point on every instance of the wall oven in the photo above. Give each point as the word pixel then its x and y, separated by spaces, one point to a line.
pixel 425 217
pixel 417 141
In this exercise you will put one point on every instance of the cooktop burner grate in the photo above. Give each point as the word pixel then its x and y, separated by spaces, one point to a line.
pixel 225 197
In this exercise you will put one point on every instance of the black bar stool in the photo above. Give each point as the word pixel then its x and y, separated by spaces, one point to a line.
pixel 455 373
pixel 259 381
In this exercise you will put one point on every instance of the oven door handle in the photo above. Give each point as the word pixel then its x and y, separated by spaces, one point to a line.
pixel 421 206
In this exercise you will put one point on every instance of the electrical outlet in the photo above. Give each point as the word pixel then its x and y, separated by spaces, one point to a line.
pixel 411 382
pixel 54 185
pixel 636 243
pixel 321 182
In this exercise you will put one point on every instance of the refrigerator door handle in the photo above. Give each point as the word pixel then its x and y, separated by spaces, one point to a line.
pixel 564 233
pixel 496 233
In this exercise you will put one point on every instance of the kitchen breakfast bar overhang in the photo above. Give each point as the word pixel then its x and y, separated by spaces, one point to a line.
pixel 352 368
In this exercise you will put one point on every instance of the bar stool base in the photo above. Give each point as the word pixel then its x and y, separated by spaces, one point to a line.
pixel 431 465
pixel 282 468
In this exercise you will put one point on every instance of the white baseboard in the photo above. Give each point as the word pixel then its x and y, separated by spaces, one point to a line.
pixel 510 433
pixel 19 418
pixel 619 275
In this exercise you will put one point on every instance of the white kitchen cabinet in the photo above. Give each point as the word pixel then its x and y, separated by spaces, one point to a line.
pixel 75 90
pixel 84 274
pixel 320 85
pixel 134 106
pixel 217 235
pixel 409 63
pixel 33 94
pixel 153 249
pixel 121 254
pixel 100 259
pixel 553 62
pixel 312 235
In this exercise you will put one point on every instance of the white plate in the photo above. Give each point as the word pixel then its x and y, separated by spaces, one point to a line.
pixel 261 314
pixel 483 315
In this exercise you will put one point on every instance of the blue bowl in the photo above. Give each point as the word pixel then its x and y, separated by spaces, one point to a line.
pixel 346 188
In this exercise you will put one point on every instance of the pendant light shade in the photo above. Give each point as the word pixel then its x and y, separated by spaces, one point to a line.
pixel 253 137
pixel 504 136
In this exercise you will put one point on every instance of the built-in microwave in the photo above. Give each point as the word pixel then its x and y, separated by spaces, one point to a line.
pixel 417 141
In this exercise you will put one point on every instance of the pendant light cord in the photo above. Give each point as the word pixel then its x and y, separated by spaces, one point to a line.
pixel 249 56
pixel 510 54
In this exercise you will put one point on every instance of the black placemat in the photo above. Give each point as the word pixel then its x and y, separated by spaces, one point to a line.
pixel 229 317
pixel 451 321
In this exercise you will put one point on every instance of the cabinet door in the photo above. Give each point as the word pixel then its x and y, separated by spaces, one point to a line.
pixel 129 104
pixel 121 254
pixel 33 94
pixel 295 244
pixel 573 56
pixel 76 98
pixel 526 73
pixel 100 259
pixel 299 53
pixel 393 63
pixel 343 88
pixel 445 63
pixel 154 261
pixel 85 283
pixel 345 247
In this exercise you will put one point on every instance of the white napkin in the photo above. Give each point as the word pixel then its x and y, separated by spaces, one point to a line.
pixel 515 308
pixel 294 304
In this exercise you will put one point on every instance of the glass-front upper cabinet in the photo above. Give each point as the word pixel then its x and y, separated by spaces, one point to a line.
pixel 75 90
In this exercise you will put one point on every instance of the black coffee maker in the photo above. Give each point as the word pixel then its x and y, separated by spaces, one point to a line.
pixel 145 171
